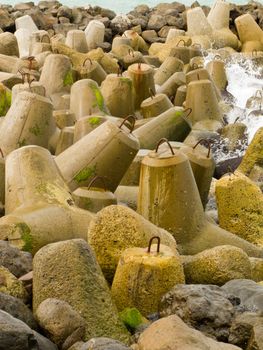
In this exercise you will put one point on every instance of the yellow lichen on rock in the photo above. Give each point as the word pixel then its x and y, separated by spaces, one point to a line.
pixel 10 285
pixel 142 278
pixel 240 207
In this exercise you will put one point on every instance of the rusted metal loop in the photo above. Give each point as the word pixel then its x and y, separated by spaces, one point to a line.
pixel 230 170
pixel 254 53
pixel 208 144
pixel 139 65
pixel 189 110
pixel 22 74
pixel 131 119
pixel 198 76
pixel 119 72
pixel 195 66
pixel 163 140
pixel 2 154
pixel 150 244
pixel 236 120
pixel 218 57
pixel 180 42
pixel 131 52
pixel 84 62
pixel 56 51
pixel 30 59
pixel 152 93
pixel 101 178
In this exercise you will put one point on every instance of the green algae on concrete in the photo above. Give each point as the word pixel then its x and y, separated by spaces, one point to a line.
pixel 99 98
pixel 69 271
pixel 240 207
pixel 132 318
pixel 94 121
pixel 25 236
pixel 35 130
pixel 217 266
pixel 85 174
pixel 68 80
pixel 5 100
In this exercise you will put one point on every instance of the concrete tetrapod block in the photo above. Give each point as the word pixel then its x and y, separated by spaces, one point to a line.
pixel 142 76
pixel 85 125
pixel 240 207
pixel 65 140
pixel 201 98
pixel 106 151
pixel 26 22
pixel 35 87
pixel 137 42
pixel 91 70
pixel 118 93
pixel 217 71
pixel 180 96
pixel 171 124
pixel 86 99
pixel 56 75
pixel 173 33
pixel 197 23
pixel 76 39
pixel 170 66
pixel 143 277
pixel 23 40
pixel 217 266
pixel 131 58
pixel 69 271
pixel 64 118
pixel 94 33
pixel 38 203
pixel 180 211
pixel 29 121
pixel 116 228
pixel 249 32
pixel 155 105
pixel 171 85
pixel 254 154
pixel 8 45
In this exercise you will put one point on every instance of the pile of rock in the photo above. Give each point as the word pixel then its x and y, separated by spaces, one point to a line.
pixel 120 226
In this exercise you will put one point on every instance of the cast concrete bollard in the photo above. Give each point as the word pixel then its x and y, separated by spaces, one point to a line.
pixel 249 32
pixel 116 228
pixel 34 87
pixel 39 206
pixel 86 99
pixel 23 40
pixel 76 39
pixel 155 105
pixel 197 23
pixel 29 121
pixel 65 140
pixel 146 271
pixel 172 124
pixel 2 180
pixel 56 75
pixel 85 288
pixel 142 76
pixel 118 93
pixel 87 124
pixel 201 98
pixel 240 207
pixel 94 34
pixel 170 66
pixel 26 22
pixel 64 118
pixel 94 198
pixel 91 70
pixel 106 151
pixel 170 172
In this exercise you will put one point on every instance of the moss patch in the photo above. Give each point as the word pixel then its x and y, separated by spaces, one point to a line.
pixel 25 236
pixel 5 102
pixel 85 174
pixel 94 121
pixel 68 80
pixel 35 130
pixel 131 317
pixel 99 98
pixel 21 143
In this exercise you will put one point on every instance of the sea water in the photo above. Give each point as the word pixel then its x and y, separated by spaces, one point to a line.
pixel 122 6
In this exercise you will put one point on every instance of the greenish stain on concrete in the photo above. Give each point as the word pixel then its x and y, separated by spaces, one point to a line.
pixel 5 102
pixel 21 143
pixel 126 80
pixel 68 80
pixel 99 98
pixel 93 121
pixel 35 130
pixel 85 174
pixel 25 236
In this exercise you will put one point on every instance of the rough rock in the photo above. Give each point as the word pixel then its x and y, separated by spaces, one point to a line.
pixel 69 271
pixel 15 260
pixel 16 335
pixel 5 20
pixel 203 307
pixel 104 344
pixel 244 328
pixel 249 292
pixel 256 269
pixel 17 309
pixel 172 333
pixel 217 266
pixel 10 285
pixel 156 22
pixel 60 322
pixel 8 44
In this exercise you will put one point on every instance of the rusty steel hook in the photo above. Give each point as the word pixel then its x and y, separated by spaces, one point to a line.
pixel 163 140
pixel 98 177
pixel 132 122
pixel 208 144
pixel 150 244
